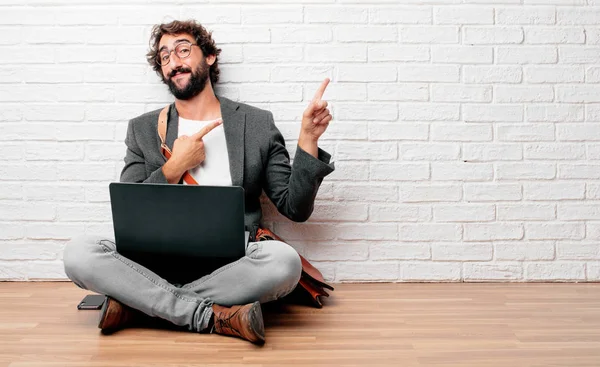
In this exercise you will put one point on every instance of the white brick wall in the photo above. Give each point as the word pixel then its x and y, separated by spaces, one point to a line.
pixel 466 133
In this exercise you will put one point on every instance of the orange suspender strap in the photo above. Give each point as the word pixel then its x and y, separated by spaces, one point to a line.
pixel 162 133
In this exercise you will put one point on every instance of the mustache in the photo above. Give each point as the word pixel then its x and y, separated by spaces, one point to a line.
pixel 180 70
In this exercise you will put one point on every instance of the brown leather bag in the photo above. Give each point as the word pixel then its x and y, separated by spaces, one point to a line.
pixel 311 281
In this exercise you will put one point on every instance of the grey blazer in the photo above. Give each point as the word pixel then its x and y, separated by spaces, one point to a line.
pixel 258 160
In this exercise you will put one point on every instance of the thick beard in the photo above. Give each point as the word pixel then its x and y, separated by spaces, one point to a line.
pixel 195 86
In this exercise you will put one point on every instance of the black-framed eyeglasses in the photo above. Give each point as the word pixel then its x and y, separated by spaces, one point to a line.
pixel 182 50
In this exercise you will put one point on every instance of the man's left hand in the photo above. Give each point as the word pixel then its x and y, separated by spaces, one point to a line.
pixel 316 116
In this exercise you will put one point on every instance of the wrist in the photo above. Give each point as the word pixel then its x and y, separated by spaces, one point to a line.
pixel 172 171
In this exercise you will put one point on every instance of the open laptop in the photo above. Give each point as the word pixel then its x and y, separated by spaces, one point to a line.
pixel 180 221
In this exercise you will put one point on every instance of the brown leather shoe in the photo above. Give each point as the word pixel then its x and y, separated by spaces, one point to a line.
pixel 243 321
pixel 115 315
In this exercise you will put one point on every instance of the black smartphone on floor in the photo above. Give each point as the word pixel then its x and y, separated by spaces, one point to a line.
pixel 91 302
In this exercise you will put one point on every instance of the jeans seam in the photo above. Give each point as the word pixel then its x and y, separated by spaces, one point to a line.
pixel 120 258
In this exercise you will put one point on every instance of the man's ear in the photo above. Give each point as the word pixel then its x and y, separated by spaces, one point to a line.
pixel 210 59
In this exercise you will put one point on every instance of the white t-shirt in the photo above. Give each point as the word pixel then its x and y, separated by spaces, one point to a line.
pixel 214 171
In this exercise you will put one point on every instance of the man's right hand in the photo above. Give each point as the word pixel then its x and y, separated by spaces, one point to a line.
pixel 188 152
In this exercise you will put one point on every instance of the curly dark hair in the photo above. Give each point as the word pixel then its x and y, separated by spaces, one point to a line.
pixel 201 35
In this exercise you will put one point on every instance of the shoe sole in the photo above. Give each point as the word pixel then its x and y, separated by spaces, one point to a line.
pixel 257 323
pixel 103 312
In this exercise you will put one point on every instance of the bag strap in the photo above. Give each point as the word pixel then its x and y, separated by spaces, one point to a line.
pixel 162 134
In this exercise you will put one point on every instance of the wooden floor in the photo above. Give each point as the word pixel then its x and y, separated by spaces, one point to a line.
pixel 449 324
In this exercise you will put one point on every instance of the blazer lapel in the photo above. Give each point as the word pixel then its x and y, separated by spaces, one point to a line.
pixel 172 126
pixel 234 124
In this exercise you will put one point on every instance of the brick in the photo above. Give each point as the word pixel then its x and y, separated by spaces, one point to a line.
pixel 11 190
pixel 400 251
pixel 10 231
pixel 336 14
pixel 492 35
pixel 10 113
pixel 525 15
pixel 11 35
pixel 367 111
pixel 492 152
pixel 430 232
pixel 272 53
pixel 492 74
pixel 31 172
pixel 554 35
pixel 463 15
pixel 578 54
pixel 366 271
pixel 512 94
pixel 28 55
pixel 461 252
pixel 554 74
pixel 554 231
pixel 336 53
pixel 525 171
pixel 592 112
pixel 284 74
pixel 578 16
pixel 519 251
pixel 398 92
pixel 392 52
pixel 464 213
pixel 578 211
pixel 526 212
pixel 350 171
pixel 342 252
pixel 554 113
pixel 365 34
pixel 546 191
pixel 83 212
pixel 149 16
pixel 554 151
pixel 54 151
pixel 462 171
pixel 340 212
pixel 579 171
pixel 402 15
pixel 492 272
pixel 398 131
pixel 399 171
pixel 430 271
pixel 429 152
pixel 57 192
pixel 367 231
pixel 554 271
pixel 462 54
pixel 53 231
pixel 301 34
pixel 399 213
pixel 366 73
pixel 429 112
pixel 271 93
pixel 213 14
pixel 461 132
pixel 494 113
pixel 526 55
pixel 492 231
pixel 366 192
pixel 528 132
pixel 362 150
pixel 593 230
pixel 415 193
pixel 272 15
pixel 29 250
pixel 592 191
pixel 492 192
pixel 593 271
pixel 460 93
pixel 578 93
pixel 428 73
pixel 27 211
pixel 429 35
pixel 577 251
pixel 592 75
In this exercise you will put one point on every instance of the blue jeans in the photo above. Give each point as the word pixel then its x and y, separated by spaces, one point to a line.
pixel 270 270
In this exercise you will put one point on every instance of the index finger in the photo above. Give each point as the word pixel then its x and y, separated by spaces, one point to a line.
pixel 321 90
pixel 206 129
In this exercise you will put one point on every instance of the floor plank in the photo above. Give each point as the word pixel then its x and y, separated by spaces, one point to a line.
pixel 432 324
